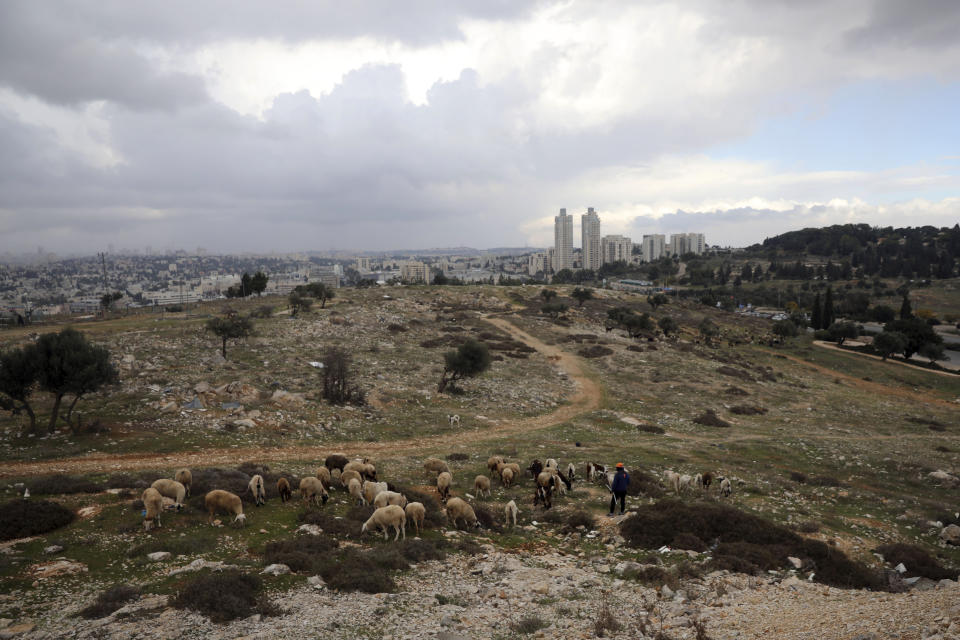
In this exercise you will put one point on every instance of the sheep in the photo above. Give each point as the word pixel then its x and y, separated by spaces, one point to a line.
pixel 551 462
pixel 311 490
pixel 335 461
pixel 347 476
pixel 595 471
pixel 171 489
pixel 371 489
pixel 184 477
pixel 544 494
pixel 457 509
pixel 153 503
pixel 386 517
pixel 725 487
pixel 571 471
pixel 493 461
pixel 558 485
pixel 283 488
pixel 506 477
pixel 685 482
pixel 323 475
pixel 444 480
pixel 672 479
pixel 454 420
pixel 515 467
pixel 365 469
pixel 356 490
pixel 389 497
pixel 707 480
pixel 510 512
pixel 544 479
pixel 436 466
pixel 698 481
pixel 535 468
pixel 481 484
pixel 416 513
pixel 256 488
pixel 220 500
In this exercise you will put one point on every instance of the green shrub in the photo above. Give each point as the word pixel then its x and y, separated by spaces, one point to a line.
pixel 301 555
pixel 353 570
pixel 529 624
pixel 917 561
pixel 747 542
pixel 580 518
pixel 109 601
pixel 331 525
pixel 709 418
pixel 60 484
pixel 689 541
pixel 455 457
pixel 24 518
pixel 224 596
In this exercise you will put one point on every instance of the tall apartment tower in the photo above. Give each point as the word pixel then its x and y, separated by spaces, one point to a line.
pixel 590 230
pixel 616 249
pixel 681 243
pixel 653 247
pixel 563 241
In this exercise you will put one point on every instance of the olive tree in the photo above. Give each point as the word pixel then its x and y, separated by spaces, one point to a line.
pixel 230 327
pixel 469 360
pixel 888 343
pixel 18 376
pixel 581 295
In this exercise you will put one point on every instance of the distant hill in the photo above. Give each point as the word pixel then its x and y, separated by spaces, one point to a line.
pixel 912 252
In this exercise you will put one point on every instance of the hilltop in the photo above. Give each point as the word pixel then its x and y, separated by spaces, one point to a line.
pixel 823 447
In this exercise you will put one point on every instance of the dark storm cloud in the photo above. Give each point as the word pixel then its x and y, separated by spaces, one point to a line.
pixel 919 24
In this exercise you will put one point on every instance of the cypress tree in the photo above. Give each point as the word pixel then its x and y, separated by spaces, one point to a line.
pixel 906 311
pixel 828 315
pixel 816 317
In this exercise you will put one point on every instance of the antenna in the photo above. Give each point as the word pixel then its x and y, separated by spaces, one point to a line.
pixel 103 265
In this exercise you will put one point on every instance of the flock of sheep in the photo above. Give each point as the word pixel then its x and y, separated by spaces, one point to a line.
pixel 359 479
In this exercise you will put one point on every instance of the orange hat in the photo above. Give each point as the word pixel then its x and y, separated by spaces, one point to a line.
pixel 619 465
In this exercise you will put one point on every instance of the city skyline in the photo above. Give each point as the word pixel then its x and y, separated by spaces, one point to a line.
pixel 260 128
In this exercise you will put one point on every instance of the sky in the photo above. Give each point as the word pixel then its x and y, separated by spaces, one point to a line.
pixel 262 126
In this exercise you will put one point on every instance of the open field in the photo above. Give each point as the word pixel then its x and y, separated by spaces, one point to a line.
pixel 825 443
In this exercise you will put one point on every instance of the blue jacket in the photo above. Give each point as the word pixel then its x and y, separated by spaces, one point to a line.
pixel 620 481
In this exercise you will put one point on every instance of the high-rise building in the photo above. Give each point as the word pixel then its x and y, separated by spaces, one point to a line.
pixel 681 243
pixel 615 249
pixel 590 237
pixel 563 241
pixel 654 246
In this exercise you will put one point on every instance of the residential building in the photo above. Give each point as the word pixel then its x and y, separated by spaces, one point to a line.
pixel 414 271
pixel 363 264
pixel 654 247
pixel 590 238
pixel 681 243
pixel 538 263
pixel 563 241
pixel 615 249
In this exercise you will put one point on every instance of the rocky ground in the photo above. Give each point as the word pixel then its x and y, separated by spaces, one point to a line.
pixel 500 595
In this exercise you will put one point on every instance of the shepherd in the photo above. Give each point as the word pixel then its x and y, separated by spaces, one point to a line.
pixel 618 489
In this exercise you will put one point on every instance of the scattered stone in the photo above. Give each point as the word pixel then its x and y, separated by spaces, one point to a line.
pixel 950 535
pixel 54 548
pixel 276 570
pixel 310 529
pixel 157 556
pixel 796 562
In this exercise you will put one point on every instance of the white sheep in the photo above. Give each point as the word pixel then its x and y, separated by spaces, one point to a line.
pixel 371 489
pixel 513 466
pixel 257 489
pixel 436 466
pixel 386 517
pixel 312 490
pixel 493 461
pixel 698 481
pixel 571 471
pixel 510 512
pixel 153 503
pixel 458 509
pixel 384 498
pixel 184 477
pixel 365 469
pixel 444 480
pixel 481 485
pixel 725 487
pixel 506 476
pixel 558 485
pixel 356 490
pixel 551 462
pixel 323 475
pixel 171 489
pixel 686 482
pixel 416 513
pixel 347 476
pixel 454 420
pixel 672 479
pixel 220 500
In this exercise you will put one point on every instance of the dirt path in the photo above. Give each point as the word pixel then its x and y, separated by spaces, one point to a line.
pixel 587 397
pixel 901 363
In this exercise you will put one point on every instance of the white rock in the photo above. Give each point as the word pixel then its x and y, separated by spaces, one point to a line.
pixel 276 570
pixel 796 562
pixel 157 556
pixel 950 534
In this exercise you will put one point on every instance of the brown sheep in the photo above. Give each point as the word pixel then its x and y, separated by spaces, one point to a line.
pixel 283 488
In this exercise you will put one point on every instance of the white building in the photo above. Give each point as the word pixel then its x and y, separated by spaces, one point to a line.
pixel 615 249
pixel 414 271
pixel 538 263
pixel 681 243
pixel 654 247
pixel 363 264
pixel 590 238
pixel 563 241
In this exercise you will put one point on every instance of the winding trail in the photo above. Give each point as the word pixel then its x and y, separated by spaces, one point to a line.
pixel 586 398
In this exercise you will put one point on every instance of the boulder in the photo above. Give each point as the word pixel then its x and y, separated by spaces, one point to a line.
pixel 158 556
pixel 287 399
pixel 276 570
pixel 943 478
pixel 950 534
